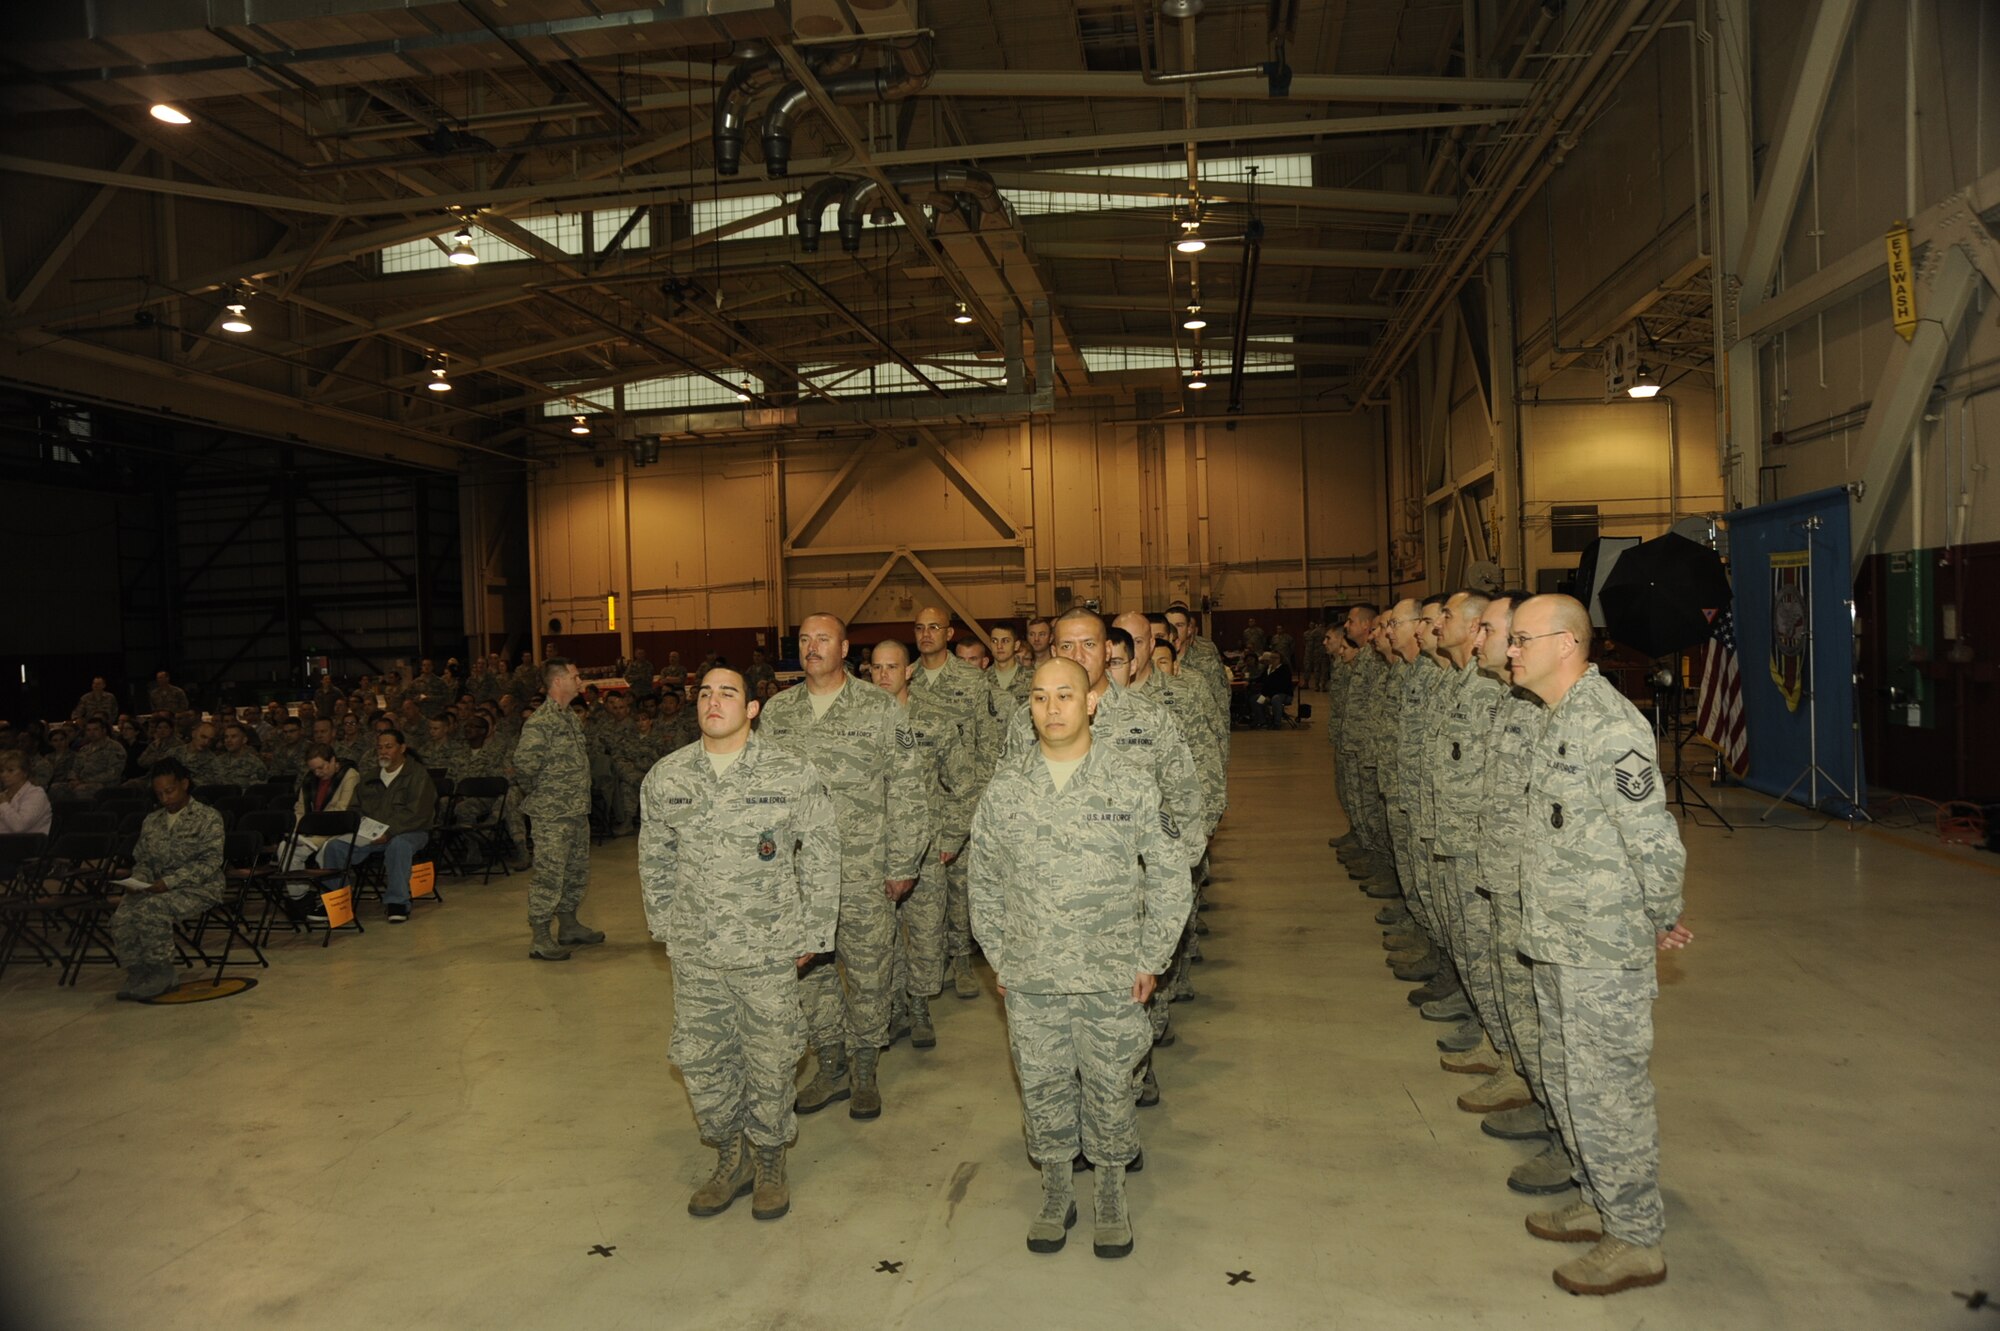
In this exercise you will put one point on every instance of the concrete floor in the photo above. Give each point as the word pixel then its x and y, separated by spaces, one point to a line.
pixel 420 1128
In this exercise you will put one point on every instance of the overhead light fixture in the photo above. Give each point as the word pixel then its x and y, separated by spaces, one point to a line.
pixel 581 427
pixel 964 316
pixel 743 390
pixel 1194 323
pixel 462 252
pixel 1191 241
pixel 1645 385
pixel 1196 381
pixel 439 365
pixel 237 320
pixel 170 115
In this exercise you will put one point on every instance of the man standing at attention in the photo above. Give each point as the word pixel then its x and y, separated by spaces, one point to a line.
pixel 948 694
pixel 552 766
pixel 853 735
pixel 1600 893
pixel 739 871
pixel 1078 896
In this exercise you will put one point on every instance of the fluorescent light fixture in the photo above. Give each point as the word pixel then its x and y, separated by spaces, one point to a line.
pixel 170 115
pixel 1645 385
pixel 462 252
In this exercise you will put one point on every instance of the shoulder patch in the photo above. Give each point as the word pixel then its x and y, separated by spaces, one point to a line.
pixel 905 737
pixel 1634 771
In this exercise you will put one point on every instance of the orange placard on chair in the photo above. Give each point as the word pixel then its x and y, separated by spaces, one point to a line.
pixel 339 905
pixel 423 880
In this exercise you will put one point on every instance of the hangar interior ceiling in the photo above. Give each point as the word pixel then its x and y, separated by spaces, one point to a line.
pixel 998 192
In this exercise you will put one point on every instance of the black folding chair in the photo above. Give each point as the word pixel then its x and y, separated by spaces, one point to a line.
pixel 242 854
pixel 208 794
pixel 336 826
pixel 476 846
pixel 22 856
pixel 60 909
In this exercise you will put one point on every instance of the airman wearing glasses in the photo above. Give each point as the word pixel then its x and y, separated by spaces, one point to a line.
pixel 1601 892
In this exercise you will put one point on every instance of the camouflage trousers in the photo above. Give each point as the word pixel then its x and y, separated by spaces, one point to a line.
pixel 1074 1055
pixel 921 932
pixel 1372 819
pixel 622 792
pixel 1597 1042
pixel 1416 891
pixel 1469 925
pixel 562 867
pixel 142 928
pixel 846 1000
pixel 1516 981
pixel 957 911
pixel 737 1040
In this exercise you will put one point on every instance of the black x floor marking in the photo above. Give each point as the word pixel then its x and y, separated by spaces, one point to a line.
pixel 1240 1277
pixel 599 1250
pixel 888 1267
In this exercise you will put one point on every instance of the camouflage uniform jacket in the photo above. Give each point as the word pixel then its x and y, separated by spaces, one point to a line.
pixel 170 698
pixel 1517 728
pixel 182 851
pixel 962 697
pixel 99 763
pixel 1602 864
pixel 1204 660
pixel 1184 702
pixel 283 761
pixel 1398 692
pixel 552 765
pixel 869 761
pixel 948 774
pixel 1458 758
pixel 1339 674
pixel 241 768
pixel 741 869
pixel 1142 729
pixel 1076 891
pixel 161 750
pixel 489 759
pixel 1012 690
pixel 95 706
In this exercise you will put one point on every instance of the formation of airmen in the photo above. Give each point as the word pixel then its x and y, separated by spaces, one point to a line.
pixel 1504 802
pixel 821 864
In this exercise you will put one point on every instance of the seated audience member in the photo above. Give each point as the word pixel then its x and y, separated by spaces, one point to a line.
pixel 24 807
pixel 1273 691
pixel 328 786
pixel 357 739
pixel 179 858
pixel 399 794
pixel 238 764
pixel 50 767
pixel 97 764
pixel 285 756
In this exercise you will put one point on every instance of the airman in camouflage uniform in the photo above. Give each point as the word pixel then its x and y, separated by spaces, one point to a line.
pixel 179 856
pixel 552 766
pixel 852 733
pixel 1601 891
pixel 1201 662
pixel 98 764
pixel 949 694
pixel 624 756
pixel 166 696
pixel 100 704
pixel 1079 893
pixel 238 764
pixel 1013 673
pixel 739 870
pixel 1357 750
pixel 948 774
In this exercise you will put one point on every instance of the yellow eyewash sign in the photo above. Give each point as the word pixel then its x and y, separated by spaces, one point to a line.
pixel 1902 282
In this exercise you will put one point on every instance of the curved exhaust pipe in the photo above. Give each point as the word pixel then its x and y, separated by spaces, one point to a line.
pixel 732 103
pixel 812 208
pixel 967 190
pixel 911 72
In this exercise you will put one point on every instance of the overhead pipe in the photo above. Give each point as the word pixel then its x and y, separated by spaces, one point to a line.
pixel 752 76
pixel 889 83
pixel 1275 72
pixel 1246 292
pixel 812 209
pixel 967 190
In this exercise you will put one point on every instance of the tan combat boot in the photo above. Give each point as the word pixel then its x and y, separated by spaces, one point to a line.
pixel 1576 1223
pixel 545 947
pixel 829 1083
pixel 1611 1266
pixel 572 932
pixel 923 1035
pixel 1050 1229
pixel 1112 1236
pixel 1477 1061
pixel 774 1195
pixel 867 1094
pixel 964 980
pixel 731 1179
pixel 1546 1173
pixel 1503 1090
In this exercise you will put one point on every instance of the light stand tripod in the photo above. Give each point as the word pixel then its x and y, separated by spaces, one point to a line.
pixel 1670 724
pixel 1813 773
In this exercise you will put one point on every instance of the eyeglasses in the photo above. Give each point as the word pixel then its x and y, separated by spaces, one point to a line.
pixel 1523 639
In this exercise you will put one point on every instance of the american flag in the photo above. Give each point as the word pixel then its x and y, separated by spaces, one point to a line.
pixel 1719 709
